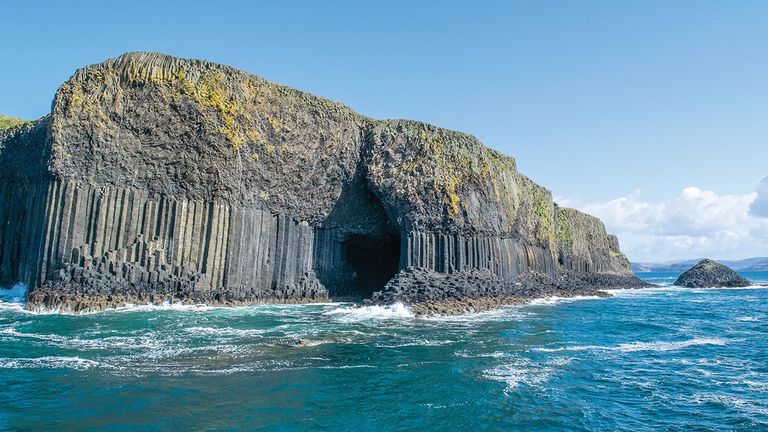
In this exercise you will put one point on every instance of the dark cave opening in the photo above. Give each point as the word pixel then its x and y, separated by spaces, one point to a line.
pixel 358 249
pixel 373 261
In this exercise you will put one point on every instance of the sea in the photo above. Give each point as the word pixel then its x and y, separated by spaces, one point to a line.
pixel 659 359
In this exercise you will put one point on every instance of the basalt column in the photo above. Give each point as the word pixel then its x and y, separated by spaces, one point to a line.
pixel 157 178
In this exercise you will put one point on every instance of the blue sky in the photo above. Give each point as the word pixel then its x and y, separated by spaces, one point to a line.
pixel 598 101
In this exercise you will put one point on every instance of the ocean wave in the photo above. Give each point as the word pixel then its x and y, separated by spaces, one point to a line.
pixel 574 348
pixel 261 309
pixel 554 300
pixel 741 405
pixel 128 308
pixel 13 307
pixel 524 372
pixel 419 342
pixel 224 331
pixel 748 318
pixel 366 313
pixel 165 306
pixel 637 292
pixel 469 354
pixel 15 294
pixel 171 352
pixel 12 299
pixel 658 346
pixel 751 287
pixel 668 346
pixel 503 313
pixel 346 367
pixel 146 341
pixel 49 362
pixel 756 385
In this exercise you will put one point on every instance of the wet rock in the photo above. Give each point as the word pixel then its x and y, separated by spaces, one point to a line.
pixel 711 274
pixel 473 291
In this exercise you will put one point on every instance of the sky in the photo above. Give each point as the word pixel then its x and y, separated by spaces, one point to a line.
pixel 649 114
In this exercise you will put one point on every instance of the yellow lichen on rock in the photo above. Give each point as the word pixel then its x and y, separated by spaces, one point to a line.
pixel 453 199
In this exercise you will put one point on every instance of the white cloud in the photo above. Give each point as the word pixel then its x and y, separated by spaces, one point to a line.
pixel 698 223
pixel 759 206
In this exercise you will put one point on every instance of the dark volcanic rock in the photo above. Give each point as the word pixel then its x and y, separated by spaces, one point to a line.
pixel 711 274
pixel 158 179
pixel 428 292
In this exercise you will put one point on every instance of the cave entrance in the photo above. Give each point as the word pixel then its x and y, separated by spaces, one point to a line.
pixel 362 247
pixel 373 261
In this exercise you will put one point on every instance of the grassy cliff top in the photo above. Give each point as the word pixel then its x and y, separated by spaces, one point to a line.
pixel 8 122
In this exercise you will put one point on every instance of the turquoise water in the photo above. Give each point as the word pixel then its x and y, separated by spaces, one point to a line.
pixel 659 359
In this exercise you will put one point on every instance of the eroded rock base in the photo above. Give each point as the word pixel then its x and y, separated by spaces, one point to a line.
pixel 60 299
pixel 427 292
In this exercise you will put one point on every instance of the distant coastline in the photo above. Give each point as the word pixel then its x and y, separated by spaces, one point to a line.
pixel 747 264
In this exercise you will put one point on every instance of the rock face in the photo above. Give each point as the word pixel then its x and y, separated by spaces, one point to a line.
pixel 710 274
pixel 158 178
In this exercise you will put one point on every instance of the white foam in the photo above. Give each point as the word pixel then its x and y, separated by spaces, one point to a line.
pixel 144 341
pixel 636 292
pixel 175 306
pixel 503 313
pixel 15 294
pixel 658 346
pixel 48 362
pixel 668 346
pixel 225 331
pixel 418 342
pixel 554 300
pixel 757 385
pixel 469 354
pixel 522 371
pixel 347 367
pixel 571 348
pixel 364 313
pixel 12 307
pixel 739 404
pixel 751 287
pixel 12 299
pixel 169 306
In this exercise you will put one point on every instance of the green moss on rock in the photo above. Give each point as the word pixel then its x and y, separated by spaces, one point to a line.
pixel 564 232
pixel 9 122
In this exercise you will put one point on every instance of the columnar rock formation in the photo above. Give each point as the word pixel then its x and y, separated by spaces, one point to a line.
pixel 166 178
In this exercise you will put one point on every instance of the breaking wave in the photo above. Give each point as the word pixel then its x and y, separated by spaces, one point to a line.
pixel 366 313
pixel 554 300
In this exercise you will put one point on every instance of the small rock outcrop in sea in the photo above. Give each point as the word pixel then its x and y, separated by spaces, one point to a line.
pixel 157 179
pixel 711 274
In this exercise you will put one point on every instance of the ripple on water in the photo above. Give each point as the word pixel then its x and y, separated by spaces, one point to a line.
pixel 641 360
pixel 629 347
pixel 518 371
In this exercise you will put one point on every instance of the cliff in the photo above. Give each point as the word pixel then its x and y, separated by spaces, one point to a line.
pixel 159 178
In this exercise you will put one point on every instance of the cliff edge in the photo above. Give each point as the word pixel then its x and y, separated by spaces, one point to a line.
pixel 158 178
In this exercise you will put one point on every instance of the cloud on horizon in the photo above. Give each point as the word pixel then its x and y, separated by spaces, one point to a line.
pixel 698 223
pixel 759 206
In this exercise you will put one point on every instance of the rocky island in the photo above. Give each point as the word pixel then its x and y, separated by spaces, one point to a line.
pixel 157 178
pixel 711 274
